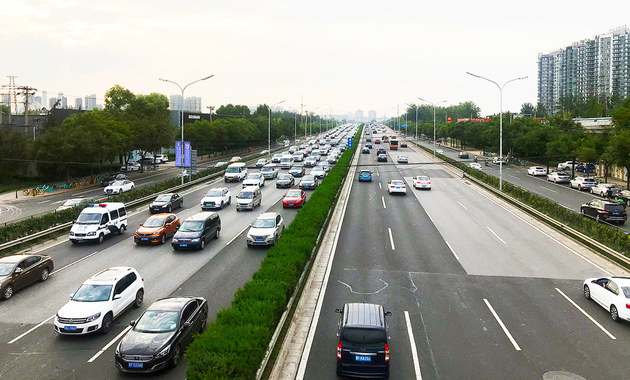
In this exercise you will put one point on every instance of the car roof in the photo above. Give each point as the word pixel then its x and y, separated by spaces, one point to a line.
pixel 364 314
pixel 200 216
pixel 267 215
pixel 14 258
pixel 170 304
pixel 110 274
pixel 623 281
pixel 218 188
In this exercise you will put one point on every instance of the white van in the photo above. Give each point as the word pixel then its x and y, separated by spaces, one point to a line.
pixel 99 220
pixel 235 172
pixel 286 161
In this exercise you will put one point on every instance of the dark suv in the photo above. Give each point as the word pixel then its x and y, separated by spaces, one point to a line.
pixel 195 231
pixel 363 348
pixel 606 211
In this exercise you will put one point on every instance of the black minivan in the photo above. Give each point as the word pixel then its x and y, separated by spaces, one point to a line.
pixel 195 231
pixel 363 348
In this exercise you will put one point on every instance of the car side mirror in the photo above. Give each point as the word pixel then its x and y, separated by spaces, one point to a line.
pixel 187 324
pixel 338 311
pixel 388 313
pixel 71 295
pixel 141 224
pixel 117 296
pixel 18 271
pixel 132 322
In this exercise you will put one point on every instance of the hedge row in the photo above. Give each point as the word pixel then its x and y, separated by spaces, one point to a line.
pixel 235 344
pixel 43 222
pixel 610 236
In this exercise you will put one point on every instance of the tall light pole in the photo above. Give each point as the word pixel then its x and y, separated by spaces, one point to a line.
pixel 181 119
pixel 269 130
pixel 433 104
pixel 500 87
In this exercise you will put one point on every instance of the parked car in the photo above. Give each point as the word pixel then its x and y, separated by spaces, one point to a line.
pixel 582 183
pixel 421 182
pixel 160 336
pixel 536 170
pixel 217 197
pixel 254 179
pixel 605 190
pixel 19 271
pixel 397 186
pixel 269 171
pixel 261 162
pixel 365 176
pixel 463 155
pixel 156 229
pixel 196 231
pixel 266 229
pixel 567 165
pixel 166 203
pixel 161 158
pixel 285 180
pixel 558 177
pixel 294 198
pixel 606 211
pixel 585 168
pixel 611 293
pixel 309 182
pixel 131 166
pixel 119 187
pixel 101 299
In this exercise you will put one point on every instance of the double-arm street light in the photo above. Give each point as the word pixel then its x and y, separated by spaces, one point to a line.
pixel 181 118
pixel 500 87
pixel 433 104
pixel 269 130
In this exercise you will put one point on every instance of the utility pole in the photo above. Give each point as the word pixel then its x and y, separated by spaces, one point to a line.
pixel 210 108
pixel 11 92
pixel 27 92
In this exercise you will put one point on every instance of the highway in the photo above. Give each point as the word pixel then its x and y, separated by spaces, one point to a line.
pixel 32 349
pixel 476 290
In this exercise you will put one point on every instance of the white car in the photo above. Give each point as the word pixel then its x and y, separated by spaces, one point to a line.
pixel 611 293
pixel 131 167
pixel 100 300
pixel 567 165
pixel 254 179
pixel 266 229
pixel 536 170
pixel 558 177
pixel 235 159
pixel 217 197
pixel 603 189
pixel 261 162
pixel 318 172
pixel 161 158
pixel 397 186
pixel 298 157
pixel 220 163
pixel 582 183
pixel 439 151
pixel 475 165
pixel 269 171
pixel 422 182
pixel 499 161
pixel 402 159
pixel 119 187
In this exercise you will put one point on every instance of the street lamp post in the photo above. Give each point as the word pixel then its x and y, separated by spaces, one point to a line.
pixel 500 87
pixel 269 130
pixel 433 104
pixel 181 118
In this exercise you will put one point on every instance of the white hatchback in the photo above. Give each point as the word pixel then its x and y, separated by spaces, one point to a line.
pixel 100 300
pixel 611 293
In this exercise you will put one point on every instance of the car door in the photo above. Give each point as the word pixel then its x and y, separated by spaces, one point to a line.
pixel 598 290
pixel 170 225
pixel 189 322
pixel 104 227
pixel 118 302
pixel 20 279
pixel 611 292
pixel 31 270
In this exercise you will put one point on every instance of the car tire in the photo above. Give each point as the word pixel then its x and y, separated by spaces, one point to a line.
pixel 601 194
pixel 162 238
pixel 222 204
pixel 614 313
pixel 579 187
pixel 100 238
pixel 177 352
pixel 217 234
pixel 587 292
pixel 121 230
pixel 582 212
pixel 597 218
pixel 106 326
pixel 8 292
pixel 204 323
pixel 229 201
pixel 170 209
pixel 139 298
pixel 202 244
pixel 44 275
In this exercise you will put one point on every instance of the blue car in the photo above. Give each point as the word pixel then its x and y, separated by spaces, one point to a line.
pixel 365 176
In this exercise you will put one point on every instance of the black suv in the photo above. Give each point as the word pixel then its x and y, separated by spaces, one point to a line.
pixel 606 211
pixel 363 348
pixel 195 231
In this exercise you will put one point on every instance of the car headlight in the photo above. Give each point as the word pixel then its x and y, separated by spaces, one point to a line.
pixel 174 241
pixel 118 348
pixel 195 240
pixel 92 317
pixel 269 237
pixel 93 233
pixel 71 233
pixel 163 352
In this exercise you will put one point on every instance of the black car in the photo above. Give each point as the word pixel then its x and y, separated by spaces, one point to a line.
pixel 381 157
pixel 285 180
pixel 381 151
pixel 403 144
pixel 368 139
pixel 606 211
pixel 363 348
pixel 159 337
pixel 365 150
pixel 463 155
pixel 309 182
pixel 195 231
pixel 166 203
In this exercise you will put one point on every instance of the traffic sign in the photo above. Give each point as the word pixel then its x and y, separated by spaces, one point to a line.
pixel 349 142
pixel 403 125
pixel 178 153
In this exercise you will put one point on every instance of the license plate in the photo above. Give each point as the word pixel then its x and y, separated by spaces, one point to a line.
pixel 210 204
pixel 136 365
pixel 363 358
pixel 398 187
pixel 183 245
pixel 293 204
pixel 144 238
pixel 70 328
pixel 258 239
pixel 615 213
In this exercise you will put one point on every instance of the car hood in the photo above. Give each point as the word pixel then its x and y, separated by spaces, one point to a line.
pixel 261 231
pixel 148 230
pixel 292 199
pixel 82 228
pixel 211 199
pixel 283 181
pixel 187 235
pixel 307 182
pixel 75 309
pixel 141 343
pixel 244 201
pixel 159 204
pixel 251 182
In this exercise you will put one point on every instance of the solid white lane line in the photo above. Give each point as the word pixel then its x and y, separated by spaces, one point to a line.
pixel 74 262
pixel 442 187
pixel 52 245
pixel 458 202
pixel 39 203
pixel 31 330
pixel 379 186
pixel 383 199
pixel 86 191
pixel 548 189
pixel 586 314
pixel 509 175
pixel 452 250
pixel 505 330
pixel 377 173
pixel 391 239
pixel 54 203
pixel 414 350
pixel 429 215
pixel 237 235
pixel 108 345
pixel 494 233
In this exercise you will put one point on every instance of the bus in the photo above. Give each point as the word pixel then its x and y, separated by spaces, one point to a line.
pixel 393 144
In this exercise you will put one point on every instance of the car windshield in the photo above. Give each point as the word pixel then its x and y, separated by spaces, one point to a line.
pixel 293 194
pixel 191 226
pixel 284 176
pixel 264 223
pixel 364 337
pixel 163 198
pixel 298 168
pixel 6 268
pixel 267 169
pixel 423 178
pixel 397 183
pixel 157 321
pixel 89 218
pixel 72 202
pixel 262 160
pixel 117 183
pixel 626 291
pixel 154 221
pixel 213 193
pixel 231 170
pixel 246 195
pixel 92 293
pixel 589 180
pixel 308 178
pixel 253 176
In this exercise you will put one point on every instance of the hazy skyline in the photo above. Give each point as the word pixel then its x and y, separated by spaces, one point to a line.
pixel 342 56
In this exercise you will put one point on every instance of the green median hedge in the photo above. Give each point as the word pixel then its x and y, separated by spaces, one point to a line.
pixel 234 345
pixel 610 236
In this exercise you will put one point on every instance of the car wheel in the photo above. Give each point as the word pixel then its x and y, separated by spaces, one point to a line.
pixel 582 212
pixel 177 353
pixel 133 187
pixel 170 209
pixel 202 245
pixel 217 234
pixel 222 205
pixel 107 324
pixel 163 239
pixel 601 194
pixel 8 292
pixel 139 298
pixel 587 292
pixel 44 275
pixel 100 238
pixel 229 200
pixel 204 322
pixel 580 187
pixel 121 230
pixel 597 218
pixel 614 314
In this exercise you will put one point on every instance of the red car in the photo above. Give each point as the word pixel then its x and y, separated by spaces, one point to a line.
pixel 294 198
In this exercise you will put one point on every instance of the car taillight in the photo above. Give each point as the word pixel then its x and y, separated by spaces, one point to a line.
pixel 602 211
pixel 628 306
pixel 339 350
pixel 386 352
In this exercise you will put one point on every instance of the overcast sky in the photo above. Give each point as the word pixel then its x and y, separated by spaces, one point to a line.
pixel 340 55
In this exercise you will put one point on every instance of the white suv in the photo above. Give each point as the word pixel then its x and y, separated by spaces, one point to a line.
pixel 254 179
pixel 266 229
pixel 101 299
pixel 216 198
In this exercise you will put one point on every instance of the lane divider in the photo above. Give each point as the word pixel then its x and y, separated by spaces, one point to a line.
pixel 383 199
pixel 237 235
pixel 452 250
pixel 495 234
pixel 391 239
pixel 108 345
pixel 74 262
pixel 414 350
pixel 458 202
pixel 31 330
pixel 586 314
pixel 505 330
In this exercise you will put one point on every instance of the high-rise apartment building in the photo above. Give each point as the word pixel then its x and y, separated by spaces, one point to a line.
pixel 78 103
pixel 175 102
pixel 371 115
pixel 597 67
pixel 358 115
pixel 192 104
pixel 90 102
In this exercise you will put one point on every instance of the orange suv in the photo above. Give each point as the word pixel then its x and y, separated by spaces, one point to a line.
pixel 157 229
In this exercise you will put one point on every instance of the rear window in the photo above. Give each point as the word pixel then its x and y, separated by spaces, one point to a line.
pixel 614 207
pixel 589 180
pixel 363 336
pixel 626 291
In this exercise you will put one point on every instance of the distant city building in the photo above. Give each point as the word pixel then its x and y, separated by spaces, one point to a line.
pixel 358 115
pixel 175 102
pixel 64 102
pixel 371 115
pixel 51 103
pixel 192 104
pixel 90 102
pixel 44 98
pixel 37 104
pixel 78 103
pixel 597 67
